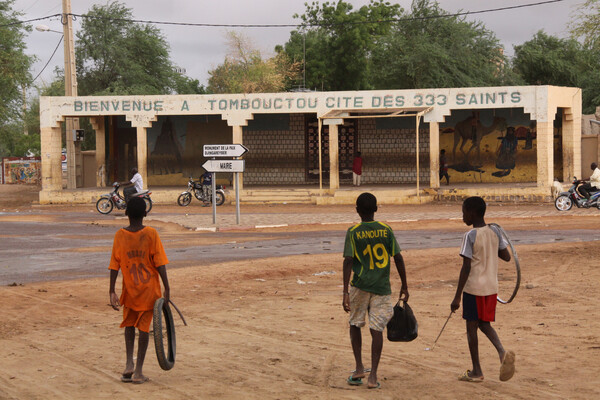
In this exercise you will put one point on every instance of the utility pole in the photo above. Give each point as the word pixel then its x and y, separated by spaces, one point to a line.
pixel 74 166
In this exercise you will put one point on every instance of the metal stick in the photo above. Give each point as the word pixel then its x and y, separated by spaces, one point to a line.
pixel 179 312
pixel 446 323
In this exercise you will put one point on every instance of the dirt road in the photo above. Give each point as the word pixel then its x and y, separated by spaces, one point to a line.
pixel 271 329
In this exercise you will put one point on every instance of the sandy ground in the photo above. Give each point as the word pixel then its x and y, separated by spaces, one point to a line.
pixel 270 329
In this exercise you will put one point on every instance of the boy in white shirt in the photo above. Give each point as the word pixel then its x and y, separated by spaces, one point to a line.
pixel 478 283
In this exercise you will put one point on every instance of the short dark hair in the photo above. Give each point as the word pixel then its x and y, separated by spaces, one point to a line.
pixel 475 204
pixel 443 151
pixel 358 153
pixel 136 208
pixel 366 203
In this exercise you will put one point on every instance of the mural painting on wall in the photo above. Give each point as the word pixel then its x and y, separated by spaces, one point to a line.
pixel 175 147
pixel 25 170
pixel 492 146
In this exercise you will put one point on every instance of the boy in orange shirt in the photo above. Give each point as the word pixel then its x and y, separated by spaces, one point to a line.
pixel 139 254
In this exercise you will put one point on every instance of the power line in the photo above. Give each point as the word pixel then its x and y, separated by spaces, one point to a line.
pixel 50 59
pixel 459 14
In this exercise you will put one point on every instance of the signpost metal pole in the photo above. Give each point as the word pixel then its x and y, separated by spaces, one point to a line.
pixel 214 197
pixel 237 198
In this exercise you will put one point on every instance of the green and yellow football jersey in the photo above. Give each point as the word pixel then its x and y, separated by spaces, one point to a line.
pixel 371 244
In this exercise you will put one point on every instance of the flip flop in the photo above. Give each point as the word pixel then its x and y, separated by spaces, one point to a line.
pixel 378 386
pixel 466 378
pixel 507 369
pixel 354 381
pixel 140 381
pixel 126 378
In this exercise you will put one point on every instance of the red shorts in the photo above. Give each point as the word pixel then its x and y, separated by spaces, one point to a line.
pixel 479 308
pixel 138 319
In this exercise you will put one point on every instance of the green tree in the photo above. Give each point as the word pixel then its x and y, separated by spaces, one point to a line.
pixel 338 42
pixel 245 71
pixel 425 49
pixel 14 76
pixel 120 57
pixel 549 60
pixel 585 25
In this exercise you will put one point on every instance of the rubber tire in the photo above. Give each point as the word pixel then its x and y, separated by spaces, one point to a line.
pixel 184 199
pixel 162 309
pixel 148 202
pixel 563 199
pixel 220 198
pixel 104 204
pixel 515 259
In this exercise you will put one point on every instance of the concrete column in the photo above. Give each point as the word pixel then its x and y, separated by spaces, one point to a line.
pixel 237 137
pixel 51 160
pixel 142 153
pixel 545 153
pixel 434 155
pixel 101 172
pixel 334 158
pixel 571 147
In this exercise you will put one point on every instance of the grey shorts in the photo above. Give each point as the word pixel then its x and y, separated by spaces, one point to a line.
pixel 379 307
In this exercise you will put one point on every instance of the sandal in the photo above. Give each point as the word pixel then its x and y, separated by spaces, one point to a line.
pixel 465 377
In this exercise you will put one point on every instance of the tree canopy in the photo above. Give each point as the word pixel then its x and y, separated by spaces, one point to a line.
pixel 245 71
pixel 116 56
pixel 14 77
pixel 549 60
pixel 426 50
pixel 338 42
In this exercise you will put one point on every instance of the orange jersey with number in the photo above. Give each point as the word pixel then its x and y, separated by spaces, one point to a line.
pixel 138 255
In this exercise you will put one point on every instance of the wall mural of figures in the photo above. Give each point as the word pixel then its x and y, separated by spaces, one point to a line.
pixel 175 146
pixel 22 170
pixel 494 146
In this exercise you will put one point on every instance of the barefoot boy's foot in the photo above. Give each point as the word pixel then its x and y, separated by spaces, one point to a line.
pixel 141 379
pixel 507 369
pixel 468 377
pixel 359 373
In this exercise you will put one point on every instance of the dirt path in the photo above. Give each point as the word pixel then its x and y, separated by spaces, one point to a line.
pixel 271 329
pixel 255 332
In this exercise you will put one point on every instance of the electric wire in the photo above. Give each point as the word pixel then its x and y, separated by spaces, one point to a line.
pixel 299 25
pixel 50 59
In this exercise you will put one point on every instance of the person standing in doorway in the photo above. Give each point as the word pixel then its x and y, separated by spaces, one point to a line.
pixel 357 169
pixel 444 167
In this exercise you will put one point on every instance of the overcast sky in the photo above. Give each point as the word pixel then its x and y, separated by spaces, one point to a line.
pixel 200 49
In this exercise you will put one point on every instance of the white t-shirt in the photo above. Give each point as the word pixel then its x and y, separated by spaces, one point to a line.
pixel 481 245
pixel 138 182
pixel 595 179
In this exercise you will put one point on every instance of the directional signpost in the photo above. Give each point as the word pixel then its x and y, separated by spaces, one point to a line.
pixel 233 166
pixel 224 165
pixel 224 150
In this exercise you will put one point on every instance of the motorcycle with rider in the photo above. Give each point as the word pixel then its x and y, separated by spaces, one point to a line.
pixel 583 194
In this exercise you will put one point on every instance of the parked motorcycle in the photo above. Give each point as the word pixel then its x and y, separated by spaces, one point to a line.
pixel 565 200
pixel 195 187
pixel 106 202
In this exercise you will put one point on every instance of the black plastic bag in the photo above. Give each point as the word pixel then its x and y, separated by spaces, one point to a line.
pixel 403 326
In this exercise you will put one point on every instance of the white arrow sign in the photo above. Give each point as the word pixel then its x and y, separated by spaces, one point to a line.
pixel 224 150
pixel 224 165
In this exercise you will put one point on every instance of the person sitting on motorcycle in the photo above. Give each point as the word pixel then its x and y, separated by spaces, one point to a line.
pixel 593 185
pixel 206 182
pixel 135 185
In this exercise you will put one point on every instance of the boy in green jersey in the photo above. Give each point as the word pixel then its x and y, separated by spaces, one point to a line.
pixel 367 251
